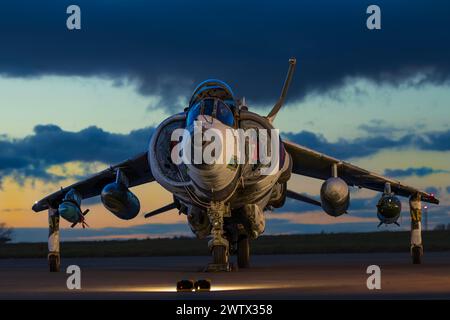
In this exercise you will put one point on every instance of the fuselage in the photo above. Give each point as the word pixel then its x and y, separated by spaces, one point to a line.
pixel 238 178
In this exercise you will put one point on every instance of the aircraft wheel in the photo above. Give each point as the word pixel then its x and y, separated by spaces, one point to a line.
pixel 219 254
pixel 416 253
pixel 53 263
pixel 243 253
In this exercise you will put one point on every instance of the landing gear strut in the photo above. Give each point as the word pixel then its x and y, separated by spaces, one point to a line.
pixel 54 259
pixel 220 255
pixel 416 229
pixel 218 245
pixel 243 252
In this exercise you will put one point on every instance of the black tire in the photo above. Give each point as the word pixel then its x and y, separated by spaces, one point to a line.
pixel 53 263
pixel 416 254
pixel 219 254
pixel 243 253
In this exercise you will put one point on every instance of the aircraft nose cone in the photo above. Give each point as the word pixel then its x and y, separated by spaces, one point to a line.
pixel 213 179
pixel 209 167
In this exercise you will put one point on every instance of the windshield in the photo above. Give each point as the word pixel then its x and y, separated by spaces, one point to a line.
pixel 211 107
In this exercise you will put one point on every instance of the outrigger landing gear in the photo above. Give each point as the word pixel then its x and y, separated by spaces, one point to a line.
pixel 218 245
pixel 416 228
pixel 54 259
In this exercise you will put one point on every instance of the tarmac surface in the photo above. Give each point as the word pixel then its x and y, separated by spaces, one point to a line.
pixel 309 276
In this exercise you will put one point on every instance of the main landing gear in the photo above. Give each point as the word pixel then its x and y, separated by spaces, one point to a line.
pixel 243 252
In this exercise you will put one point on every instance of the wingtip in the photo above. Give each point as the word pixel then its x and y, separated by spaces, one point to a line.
pixel 38 206
pixel 433 199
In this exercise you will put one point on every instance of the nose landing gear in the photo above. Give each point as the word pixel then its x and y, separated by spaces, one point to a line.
pixel 218 245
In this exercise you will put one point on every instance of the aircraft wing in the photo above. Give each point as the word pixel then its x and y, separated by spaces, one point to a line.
pixel 137 170
pixel 314 164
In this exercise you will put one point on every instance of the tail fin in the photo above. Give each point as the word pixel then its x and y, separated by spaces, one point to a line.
pixel 273 113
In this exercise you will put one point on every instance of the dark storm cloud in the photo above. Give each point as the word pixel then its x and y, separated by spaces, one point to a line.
pixel 381 127
pixel 167 46
pixel 366 146
pixel 420 172
pixel 50 145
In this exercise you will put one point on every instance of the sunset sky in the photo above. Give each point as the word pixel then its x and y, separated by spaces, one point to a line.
pixel 74 102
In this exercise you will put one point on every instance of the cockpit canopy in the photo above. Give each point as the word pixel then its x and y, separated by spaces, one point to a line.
pixel 213 98
pixel 213 107
pixel 213 88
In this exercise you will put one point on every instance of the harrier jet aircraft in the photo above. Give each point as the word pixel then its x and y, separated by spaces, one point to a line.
pixel 225 202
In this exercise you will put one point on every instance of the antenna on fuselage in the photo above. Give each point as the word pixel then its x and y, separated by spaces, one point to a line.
pixel 273 113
